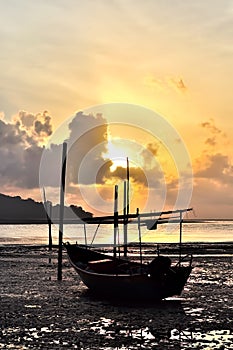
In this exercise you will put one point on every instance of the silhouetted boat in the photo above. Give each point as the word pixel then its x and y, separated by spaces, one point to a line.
pixel 114 276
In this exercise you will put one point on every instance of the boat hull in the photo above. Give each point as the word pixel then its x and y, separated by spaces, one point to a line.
pixel 139 284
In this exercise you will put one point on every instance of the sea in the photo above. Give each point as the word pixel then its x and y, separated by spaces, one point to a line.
pixel 206 231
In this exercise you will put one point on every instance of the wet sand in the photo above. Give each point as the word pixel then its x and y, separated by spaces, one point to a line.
pixel 38 312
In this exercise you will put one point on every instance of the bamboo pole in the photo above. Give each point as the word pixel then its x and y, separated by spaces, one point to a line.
pixel 139 236
pixel 180 243
pixel 126 208
pixel 125 219
pixel 61 216
pixel 48 210
pixel 85 234
pixel 127 186
pixel 50 226
pixel 115 220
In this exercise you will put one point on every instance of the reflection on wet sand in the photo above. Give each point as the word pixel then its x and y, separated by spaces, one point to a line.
pixel 169 328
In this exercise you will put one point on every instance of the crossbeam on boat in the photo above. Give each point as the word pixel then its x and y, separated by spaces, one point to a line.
pixel 155 216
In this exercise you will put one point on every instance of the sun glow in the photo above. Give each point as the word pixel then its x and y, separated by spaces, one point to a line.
pixel 117 153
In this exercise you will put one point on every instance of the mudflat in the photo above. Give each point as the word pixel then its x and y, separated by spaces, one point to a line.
pixel 38 312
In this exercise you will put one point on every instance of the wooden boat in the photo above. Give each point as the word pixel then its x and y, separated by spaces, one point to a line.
pixel 113 276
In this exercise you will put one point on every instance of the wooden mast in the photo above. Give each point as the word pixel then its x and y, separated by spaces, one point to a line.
pixel 180 243
pixel 115 219
pixel 126 208
pixel 125 218
pixel 48 209
pixel 62 195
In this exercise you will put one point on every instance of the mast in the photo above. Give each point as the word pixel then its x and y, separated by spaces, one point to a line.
pixel 115 219
pixel 139 236
pixel 127 187
pixel 62 195
pixel 180 243
pixel 126 208
pixel 125 219
pixel 48 209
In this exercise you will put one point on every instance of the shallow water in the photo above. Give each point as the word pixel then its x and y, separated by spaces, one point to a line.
pixel 208 231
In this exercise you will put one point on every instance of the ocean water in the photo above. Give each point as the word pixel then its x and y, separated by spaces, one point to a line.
pixel 206 231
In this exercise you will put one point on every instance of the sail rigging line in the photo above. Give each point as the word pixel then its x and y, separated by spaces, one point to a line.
pixel 95 233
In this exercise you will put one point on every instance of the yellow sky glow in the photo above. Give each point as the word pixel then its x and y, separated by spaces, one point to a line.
pixel 173 58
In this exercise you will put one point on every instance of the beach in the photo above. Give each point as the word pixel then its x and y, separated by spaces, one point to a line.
pixel 39 312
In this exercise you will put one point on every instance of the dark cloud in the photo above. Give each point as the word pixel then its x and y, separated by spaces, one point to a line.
pixel 20 157
pixel 87 142
pixel 26 119
pixel 217 167
pixel 88 146
pixel 137 174
pixel 216 135
pixel 210 125
pixel 43 128
pixel 27 164
pixel 211 141
pixel 21 147
pixel 166 83
pixel 179 84
pixel 214 165
pixel 37 126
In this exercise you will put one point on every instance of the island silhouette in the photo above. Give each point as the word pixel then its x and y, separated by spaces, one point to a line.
pixel 15 210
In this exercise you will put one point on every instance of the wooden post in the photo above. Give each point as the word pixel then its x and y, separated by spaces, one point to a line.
pixel 85 234
pixel 126 208
pixel 115 220
pixel 62 196
pixel 139 236
pixel 48 209
pixel 125 219
pixel 127 186
pixel 180 243
pixel 50 226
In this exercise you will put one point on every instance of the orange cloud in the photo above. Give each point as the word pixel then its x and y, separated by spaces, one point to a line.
pixel 178 84
pixel 210 125
pixel 167 83
pixel 37 126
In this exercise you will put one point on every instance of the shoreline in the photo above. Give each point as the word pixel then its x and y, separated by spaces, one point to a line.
pixel 191 248
pixel 44 221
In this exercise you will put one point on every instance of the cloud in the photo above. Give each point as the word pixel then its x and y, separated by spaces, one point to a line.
pixel 86 138
pixel 21 147
pixel 216 137
pixel 87 142
pixel 211 164
pixel 178 84
pixel 210 125
pixel 211 141
pixel 213 174
pixel 166 83
pixel 37 126
pixel 20 157
pixel 26 164
pixel 217 167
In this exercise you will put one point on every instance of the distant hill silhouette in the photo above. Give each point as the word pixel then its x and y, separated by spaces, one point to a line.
pixel 17 210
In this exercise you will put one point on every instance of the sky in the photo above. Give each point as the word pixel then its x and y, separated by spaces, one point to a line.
pixel 62 61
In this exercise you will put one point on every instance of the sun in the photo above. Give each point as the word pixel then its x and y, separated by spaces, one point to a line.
pixel 117 153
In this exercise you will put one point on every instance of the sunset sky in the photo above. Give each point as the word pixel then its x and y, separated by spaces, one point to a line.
pixel 61 60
